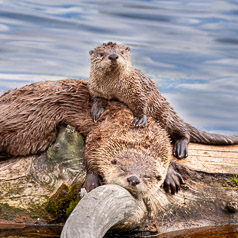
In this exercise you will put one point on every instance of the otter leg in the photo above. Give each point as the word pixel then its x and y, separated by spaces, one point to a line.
pixel 92 181
pixel 180 149
pixel 98 107
pixel 173 181
pixel 138 109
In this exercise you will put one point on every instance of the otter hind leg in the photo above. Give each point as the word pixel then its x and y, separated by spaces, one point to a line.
pixel 98 108
pixel 180 149
pixel 92 181
pixel 173 181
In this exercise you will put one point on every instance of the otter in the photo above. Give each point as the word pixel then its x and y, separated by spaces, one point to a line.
pixel 136 159
pixel 112 76
pixel 29 117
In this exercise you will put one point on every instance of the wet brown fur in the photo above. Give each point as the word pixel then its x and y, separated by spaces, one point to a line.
pixel 123 82
pixel 115 150
pixel 29 116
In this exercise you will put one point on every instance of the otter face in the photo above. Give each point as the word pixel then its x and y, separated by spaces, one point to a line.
pixel 137 172
pixel 110 56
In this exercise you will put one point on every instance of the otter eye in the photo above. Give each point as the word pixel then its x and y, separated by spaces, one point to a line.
pixel 101 54
pixel 122 52
pixel 147 177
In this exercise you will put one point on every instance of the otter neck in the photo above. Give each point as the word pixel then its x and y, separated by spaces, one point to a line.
pixel 111 74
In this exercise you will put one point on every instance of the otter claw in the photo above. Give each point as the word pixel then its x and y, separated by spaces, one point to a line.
pixel 139 121
pixel 92 181
pixel 96 112
pixel 180 149
pixel 173 181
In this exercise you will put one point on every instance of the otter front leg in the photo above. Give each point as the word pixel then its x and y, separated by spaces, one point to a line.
pixel 92 181
pixel 138 108
pixel 98 107
pixel 173 181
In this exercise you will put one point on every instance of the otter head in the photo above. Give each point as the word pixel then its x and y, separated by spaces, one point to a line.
pixel 135 170
pixel 110 57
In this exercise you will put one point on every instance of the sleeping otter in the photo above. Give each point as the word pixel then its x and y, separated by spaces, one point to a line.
pixel 29 117
pixel 113 77
pixel 136 159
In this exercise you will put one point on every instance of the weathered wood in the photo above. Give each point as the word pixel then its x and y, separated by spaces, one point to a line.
pixel 212 159
pixel 26 184
pixel 101 209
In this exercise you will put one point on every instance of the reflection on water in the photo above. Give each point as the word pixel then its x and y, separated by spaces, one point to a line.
pixel 189 48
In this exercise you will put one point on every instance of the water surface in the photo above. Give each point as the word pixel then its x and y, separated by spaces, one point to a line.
pixel 189 48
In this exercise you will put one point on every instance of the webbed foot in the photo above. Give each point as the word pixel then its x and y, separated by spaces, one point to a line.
pixel 173 181
pixel 180 149
pixel 92 181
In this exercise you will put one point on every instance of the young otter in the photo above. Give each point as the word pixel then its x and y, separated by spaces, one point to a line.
pixel 29 116
pixel 113 77
pixel 136 159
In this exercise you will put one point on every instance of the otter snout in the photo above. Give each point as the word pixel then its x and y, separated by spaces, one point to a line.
pixel 113 57
pixel 133 180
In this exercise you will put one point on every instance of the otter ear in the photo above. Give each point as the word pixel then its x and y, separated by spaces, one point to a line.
pixel 128 48
pixel 91 52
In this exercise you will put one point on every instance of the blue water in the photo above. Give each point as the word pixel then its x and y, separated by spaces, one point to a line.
pixel 189 48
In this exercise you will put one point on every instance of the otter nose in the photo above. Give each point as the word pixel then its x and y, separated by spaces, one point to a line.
pixel 113 57
pixel 133 180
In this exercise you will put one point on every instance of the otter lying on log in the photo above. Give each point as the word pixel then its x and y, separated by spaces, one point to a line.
pixel 134 158
pixel 113 77
pixel 30 116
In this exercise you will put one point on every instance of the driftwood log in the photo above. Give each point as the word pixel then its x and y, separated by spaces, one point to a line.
pixel 43 189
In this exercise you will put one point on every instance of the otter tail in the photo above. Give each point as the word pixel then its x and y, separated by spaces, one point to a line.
pixel 202 137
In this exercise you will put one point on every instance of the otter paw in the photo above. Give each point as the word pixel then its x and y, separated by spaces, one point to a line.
pixel 92 181
pixel 96 112
pixel 180 149
pixel 173 181
pixel 139 121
